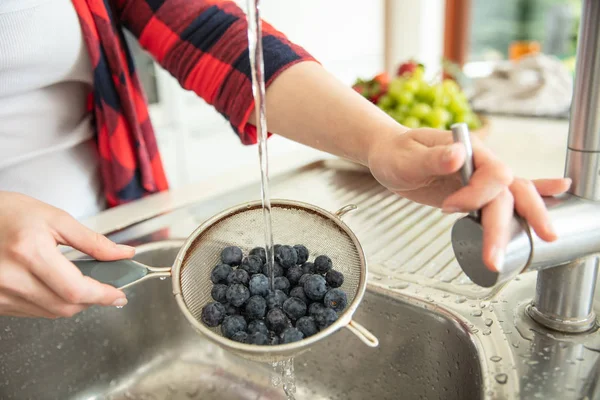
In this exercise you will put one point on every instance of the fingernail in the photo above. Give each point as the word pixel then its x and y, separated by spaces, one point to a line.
pixel 120 302
pixel 498 259
pixel 125 247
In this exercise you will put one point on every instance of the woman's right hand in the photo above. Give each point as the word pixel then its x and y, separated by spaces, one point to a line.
pixel 36 280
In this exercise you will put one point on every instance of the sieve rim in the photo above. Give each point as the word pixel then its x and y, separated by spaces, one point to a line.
pixel 344 319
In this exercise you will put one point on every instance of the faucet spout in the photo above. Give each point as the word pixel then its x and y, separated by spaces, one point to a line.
pixel 567 268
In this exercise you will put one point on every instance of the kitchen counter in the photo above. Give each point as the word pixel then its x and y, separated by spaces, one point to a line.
pixel 533 148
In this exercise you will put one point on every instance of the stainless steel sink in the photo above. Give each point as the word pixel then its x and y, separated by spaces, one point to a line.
pixel 147 351
pixel 441 336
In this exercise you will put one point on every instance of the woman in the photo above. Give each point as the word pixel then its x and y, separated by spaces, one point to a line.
pixel 75 136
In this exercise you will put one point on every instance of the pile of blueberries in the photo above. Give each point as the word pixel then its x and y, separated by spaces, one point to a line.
pixel 307 296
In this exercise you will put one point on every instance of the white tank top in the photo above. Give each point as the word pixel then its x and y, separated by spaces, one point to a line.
pixel 47 149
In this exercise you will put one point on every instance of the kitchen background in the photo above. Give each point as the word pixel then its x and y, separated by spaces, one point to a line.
pixel 357 39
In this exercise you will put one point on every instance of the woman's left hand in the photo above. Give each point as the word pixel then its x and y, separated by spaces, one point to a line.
pixel 422 164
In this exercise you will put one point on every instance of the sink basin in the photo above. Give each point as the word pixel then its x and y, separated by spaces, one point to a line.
pixel 148 351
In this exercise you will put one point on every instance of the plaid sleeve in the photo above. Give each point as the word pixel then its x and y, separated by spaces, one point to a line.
pixel 204 45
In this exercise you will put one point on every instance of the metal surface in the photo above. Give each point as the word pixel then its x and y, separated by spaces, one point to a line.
pixel 564 296
pixel 440 335
pixel 147 350
pixel 460 134
pixel 566 282
pixel 576 220
pixel 120 273
pixel 292 222
pixel 467 234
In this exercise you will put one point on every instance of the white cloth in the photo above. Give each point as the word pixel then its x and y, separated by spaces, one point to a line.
pixel 47 149
pixel 535 85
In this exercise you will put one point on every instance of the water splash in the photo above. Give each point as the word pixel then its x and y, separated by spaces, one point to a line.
pixel 258 90
pixel 283 374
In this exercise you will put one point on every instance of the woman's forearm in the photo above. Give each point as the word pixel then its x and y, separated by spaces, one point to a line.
pixel 310 106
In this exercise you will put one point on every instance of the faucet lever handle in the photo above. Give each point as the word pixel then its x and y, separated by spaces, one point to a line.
pixel 460 133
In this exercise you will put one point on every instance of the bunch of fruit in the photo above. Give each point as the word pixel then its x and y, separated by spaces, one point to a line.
pixel 414 102
pixel 307 296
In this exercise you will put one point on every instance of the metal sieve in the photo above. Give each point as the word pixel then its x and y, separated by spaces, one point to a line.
pixel 293 222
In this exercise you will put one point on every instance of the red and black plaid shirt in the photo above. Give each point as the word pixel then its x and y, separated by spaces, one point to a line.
pixel 202 43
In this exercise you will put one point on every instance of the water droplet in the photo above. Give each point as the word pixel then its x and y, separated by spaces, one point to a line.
pixel 59 346
pixel 7 329
pixel 477 313
pixel 516 345
pixel 546 349
pixel 401 285
pixel 501 378
pixel 533 362
pixel 162 278
pixel 496 358
pixel 445 295
pixel 488 322
pixel 484 304
pixel 475 330
pixel 460 299
pixel 486 332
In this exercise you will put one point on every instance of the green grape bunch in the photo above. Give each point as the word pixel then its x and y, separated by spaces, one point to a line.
pixel 414 102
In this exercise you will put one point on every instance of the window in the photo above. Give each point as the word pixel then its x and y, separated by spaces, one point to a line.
pixel 495 25
pixel 484 30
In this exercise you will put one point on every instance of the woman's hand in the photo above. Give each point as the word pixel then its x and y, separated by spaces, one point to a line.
pixel 36 280
pixel 422 165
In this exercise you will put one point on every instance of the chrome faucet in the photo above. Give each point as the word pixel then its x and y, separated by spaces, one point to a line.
pixel 567 268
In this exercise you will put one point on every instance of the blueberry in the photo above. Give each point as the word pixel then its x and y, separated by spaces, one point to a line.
pixel 315 308
pixel 258 338
pixel 276 299
pixel 273 339
pixel 232 310
pixel 325 317
pixel 277 320
pixel 238 276
pixel 302 252
pixel 315 287
pixel 233 324
pixel 257 326
pixel 291 335
pixel 303 279
pixel 231 255
pixel 276 248
pixel 335 279
pixel 336 299
pixel 298 292
pixel 259 251
pixel 220 273
pixel 240 336
pixel 218 293
pixel 307 326
pixel 277 267
pixel 286 256
pixel 308 268
pixel 322 264
pixel 237 294
pixel 282 283
pixel 252 265
pixel 213 314
pixel 294 308
pixel 294 274
pixel 259 285
pixel 256 307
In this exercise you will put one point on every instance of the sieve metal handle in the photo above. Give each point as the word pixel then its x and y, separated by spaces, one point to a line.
pixel 362 333
pixel 119 273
